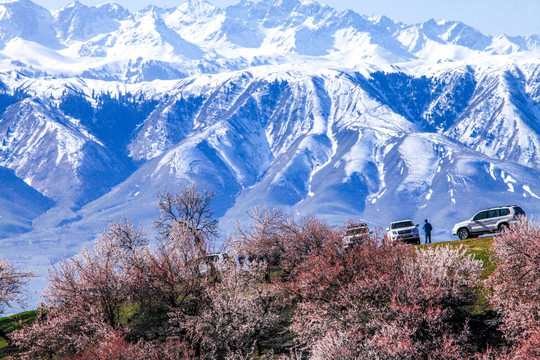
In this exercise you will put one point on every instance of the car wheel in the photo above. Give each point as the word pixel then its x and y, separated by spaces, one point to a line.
pixel 503 228
pixel 463 233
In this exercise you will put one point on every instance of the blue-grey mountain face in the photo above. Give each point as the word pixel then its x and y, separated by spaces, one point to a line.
pixel 279 103
pixel 20 205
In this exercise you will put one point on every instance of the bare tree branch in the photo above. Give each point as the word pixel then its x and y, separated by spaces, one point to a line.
pixel 188 209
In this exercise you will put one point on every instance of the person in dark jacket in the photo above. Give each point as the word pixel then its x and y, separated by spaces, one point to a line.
pixel 427 231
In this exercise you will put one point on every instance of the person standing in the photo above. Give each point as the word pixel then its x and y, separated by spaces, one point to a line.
pixel 427 231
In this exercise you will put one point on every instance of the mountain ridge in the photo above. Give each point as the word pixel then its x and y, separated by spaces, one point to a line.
pixel 196 36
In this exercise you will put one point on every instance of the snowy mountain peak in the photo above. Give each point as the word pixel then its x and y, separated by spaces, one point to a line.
pixel 78 22
pixel 382 20
pixel 113 8
pixel 248 32
pixel 9 3
pixel 199 6
pixel 26 20
pixel 193 11
pixel 74 5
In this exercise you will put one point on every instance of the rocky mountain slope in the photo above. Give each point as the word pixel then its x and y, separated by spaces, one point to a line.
pixel 279 103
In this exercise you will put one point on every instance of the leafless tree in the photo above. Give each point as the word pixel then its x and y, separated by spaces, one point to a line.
pixel 262 238
pixel 189 209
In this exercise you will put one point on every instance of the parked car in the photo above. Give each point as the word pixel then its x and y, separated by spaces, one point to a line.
pixel 490 220
pixel 212 263
pixel 355 234
pixel 403 230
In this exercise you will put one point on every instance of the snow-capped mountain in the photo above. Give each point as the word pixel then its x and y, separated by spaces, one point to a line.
pixel 78 22
pixel 282 103
pixel 55 155
pixel 25 20
pixel 109 43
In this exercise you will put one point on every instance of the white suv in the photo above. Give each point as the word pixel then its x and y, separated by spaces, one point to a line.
pixel 404 230
pixel 356 234
pixel 495 219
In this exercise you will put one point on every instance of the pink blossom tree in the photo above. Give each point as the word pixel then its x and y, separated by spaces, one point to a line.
pixel 281 241
pixel 87 294
pixel 384 302
pixel 242 315
pixel 298 288
pixel 516 287
pixel 125 288
pixel 12 285
pixel 114 346
pixel 12 288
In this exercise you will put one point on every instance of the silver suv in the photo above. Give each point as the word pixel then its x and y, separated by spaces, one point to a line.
pixel 495 219
pixel 356 234
pixel 403 230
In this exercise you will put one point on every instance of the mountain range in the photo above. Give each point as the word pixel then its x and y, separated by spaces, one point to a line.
pixel 281 103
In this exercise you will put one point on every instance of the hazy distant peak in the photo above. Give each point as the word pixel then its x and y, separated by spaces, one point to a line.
pixel 78 22
pixel 26 20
